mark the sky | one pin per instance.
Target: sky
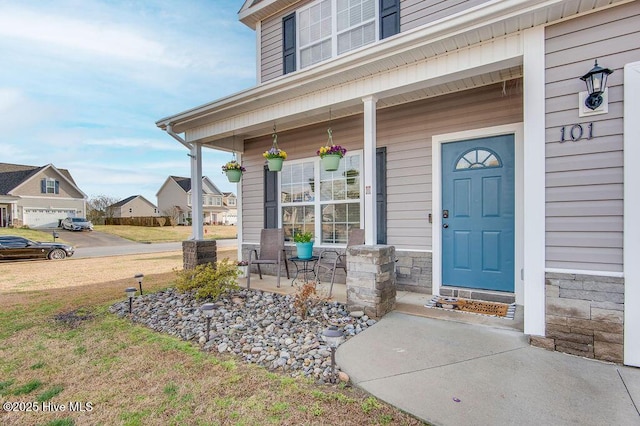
(82, 83)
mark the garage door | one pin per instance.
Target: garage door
(45, 218)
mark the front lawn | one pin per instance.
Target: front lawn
(145, 234)
(31, 234)
(60, 346)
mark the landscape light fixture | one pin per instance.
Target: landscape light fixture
(333, 337)
(131, 292)
(596, 81)
(139, 278)
(208, 309)
(55, 235)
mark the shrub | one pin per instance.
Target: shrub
(305, 298)
(207, 281)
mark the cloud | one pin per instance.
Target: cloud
(73, 36)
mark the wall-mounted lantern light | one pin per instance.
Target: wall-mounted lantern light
(131, 292)
(596, 81)
(139, 278)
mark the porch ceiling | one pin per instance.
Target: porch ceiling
(244, 115)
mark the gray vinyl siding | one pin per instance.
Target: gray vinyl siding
(298, 143)
(416, 13)
(413, 13)
(271, 44)
(584, 179)
(406, 131)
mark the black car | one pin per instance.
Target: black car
(12, 247)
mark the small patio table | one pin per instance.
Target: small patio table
(305, 266)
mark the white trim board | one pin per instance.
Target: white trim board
(436, 176)
(631, 237)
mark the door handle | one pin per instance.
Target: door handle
(445, 225)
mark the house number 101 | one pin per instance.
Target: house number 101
(575, 132)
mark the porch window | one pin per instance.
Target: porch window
(332, 27)
(325, 203)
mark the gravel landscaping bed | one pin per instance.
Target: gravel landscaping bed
(259, 327)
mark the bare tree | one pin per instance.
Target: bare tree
(173, 214)
(99, 208)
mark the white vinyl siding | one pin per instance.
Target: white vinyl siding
(584, 179)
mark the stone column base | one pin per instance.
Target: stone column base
(371, 279)
(198, 252)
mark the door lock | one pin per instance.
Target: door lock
(445, 214)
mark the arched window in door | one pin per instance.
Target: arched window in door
(477, 158)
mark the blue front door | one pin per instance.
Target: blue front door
(478, 213)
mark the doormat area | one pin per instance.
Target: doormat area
(479, 307)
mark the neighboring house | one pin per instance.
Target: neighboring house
(38, 197)
(134, 206)
(472, 149)
(230, 217)
(174, 199)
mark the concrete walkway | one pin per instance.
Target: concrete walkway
(453, 368)
(452, 373)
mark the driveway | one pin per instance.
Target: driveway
(81, 239)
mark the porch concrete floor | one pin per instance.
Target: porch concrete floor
(406, 302)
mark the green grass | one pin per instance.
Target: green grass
(31, 234)
(49, 393)
(28, 387)
(146, 234)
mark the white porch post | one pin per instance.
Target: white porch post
(239, 211)
(534, 182)
(370, 219)
(197, 231)
(631, 241)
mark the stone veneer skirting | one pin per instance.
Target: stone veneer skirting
(414, 271)
(584, 316)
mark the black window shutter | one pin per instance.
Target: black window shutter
(270, 199)
(43, 186)
(381, 194)
(57, 187)
(289, 43)
(389, 18)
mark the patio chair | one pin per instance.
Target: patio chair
(271, 252)
(332, 260)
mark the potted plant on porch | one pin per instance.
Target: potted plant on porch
(304, 244)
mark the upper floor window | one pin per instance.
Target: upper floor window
(327, 28)
(49, 186)
(331, 27)
(232, 201)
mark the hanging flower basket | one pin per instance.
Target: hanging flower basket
(275, 164)
(331, 155)
(275, 156)
(331, 163)
(233, 170)
(234, 176)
